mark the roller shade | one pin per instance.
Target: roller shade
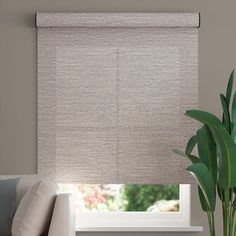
(112, 91)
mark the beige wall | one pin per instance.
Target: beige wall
(18, 70)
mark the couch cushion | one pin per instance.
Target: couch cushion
(34, 211)
(8, 189)
(25, 183)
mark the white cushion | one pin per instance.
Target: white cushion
(33, 214)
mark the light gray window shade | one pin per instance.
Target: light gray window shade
(112, 92)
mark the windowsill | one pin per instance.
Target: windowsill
(141, 229)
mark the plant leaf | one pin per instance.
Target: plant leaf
(228, 95)
(225, 146)
(233, 110)
(226, 115)
(227, 158)
(203, 200)
(220, 193)
(234, 203)
(192, 158)
(204, 117)
(190, 145)
(207, 151)
(233, 117)
(205, 182)
(233, 134)
(179, 152)
(229, 88)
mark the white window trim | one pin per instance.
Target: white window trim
(141, 221)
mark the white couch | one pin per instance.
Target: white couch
(63, 219)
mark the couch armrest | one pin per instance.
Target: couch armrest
(63, 217)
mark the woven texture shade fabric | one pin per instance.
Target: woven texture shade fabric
(112, 92)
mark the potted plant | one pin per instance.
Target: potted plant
(214, 168)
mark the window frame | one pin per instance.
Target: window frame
(116, 221)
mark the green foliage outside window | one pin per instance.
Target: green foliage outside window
(139, 197)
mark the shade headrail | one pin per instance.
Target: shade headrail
(161, 20)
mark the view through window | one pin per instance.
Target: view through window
(124, 197)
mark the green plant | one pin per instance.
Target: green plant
(139, 197)
(215, 166)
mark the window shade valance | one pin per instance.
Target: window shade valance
(112, 91)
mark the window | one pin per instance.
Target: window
(129, 205)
